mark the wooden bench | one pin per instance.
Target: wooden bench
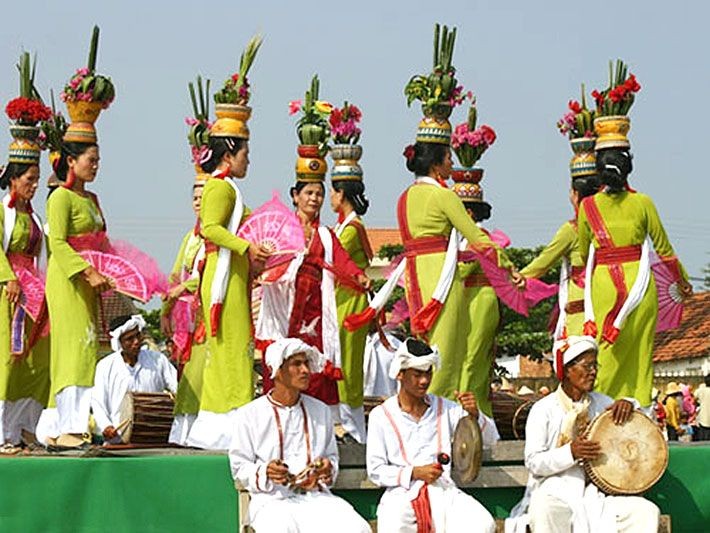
(501, 467)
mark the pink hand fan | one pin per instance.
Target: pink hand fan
(32, 291)
(275, 227)
(536, 291)
(124, 275)
(670, 300)
(499, 278)
(500, 238)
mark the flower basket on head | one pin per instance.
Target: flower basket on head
(612, 124)
(578, 125)
(233, 98)
(438, 92)
(199, 134)
(345, 151)
(313, 128)
(26, 111)
(470, 143)
(87, 93)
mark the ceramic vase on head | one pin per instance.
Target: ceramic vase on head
(466, 174)
(583, 162)
(310, 166)
(84, 111)
(234, 111)
(19, 131)
(345, 162)
(612, 132)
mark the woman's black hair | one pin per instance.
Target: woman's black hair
(12, 171)
(354, 191)
(481, 210)
(69, 149)
(614, 166)
(298, 187)
(586, 185)
(426, 155)
(220, 146)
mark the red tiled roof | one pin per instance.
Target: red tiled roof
(380, 236)
(692, 338)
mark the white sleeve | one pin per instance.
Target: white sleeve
(331, 448)
(169, 375)
(379, 470)
(242, 458)
(540, 460)
(99, 395)
(489, 431)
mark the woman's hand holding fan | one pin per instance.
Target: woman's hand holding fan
(274, 230)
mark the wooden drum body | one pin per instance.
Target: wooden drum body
(150, 417)
(510, 413)
(633, 455)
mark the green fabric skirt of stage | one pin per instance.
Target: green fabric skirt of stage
(188, 493)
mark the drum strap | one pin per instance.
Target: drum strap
(576, 416)
(306, 431)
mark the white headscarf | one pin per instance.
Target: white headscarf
(567, 350)
(281, 350)
(136, 321)
(404, 359)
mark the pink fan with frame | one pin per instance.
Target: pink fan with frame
(275, 227)
(124, 275)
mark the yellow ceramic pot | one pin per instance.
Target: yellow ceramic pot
(84, 111)
(311, 168)
(234, 111)
(612, 132)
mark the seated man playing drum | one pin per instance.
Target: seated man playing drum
(284, 453)
(558, 497)
(409, 446)
(130, 368)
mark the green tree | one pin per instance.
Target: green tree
(527, 335)
(152, 324)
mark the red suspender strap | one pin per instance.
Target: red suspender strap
(616, 271)
(364, 240)
(414, 294)
(279, 427)
(439, 411)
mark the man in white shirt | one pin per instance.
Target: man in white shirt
(284, 452)
(130, 368)
(406, 436)
(558, 498)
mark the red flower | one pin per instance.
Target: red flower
(409, 152)
(336, 117)
(631, 84)
(235, 77)
(354, 112)
(489, 136)
(598, 97)
(574, 106)
(27, 110)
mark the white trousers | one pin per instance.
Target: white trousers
(632, 514)
(212, 431)
(16, 416)
(180, 430)
(452, 510)
(70, 416)
(353, 421)
(314, 512)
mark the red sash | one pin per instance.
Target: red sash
(612, 256)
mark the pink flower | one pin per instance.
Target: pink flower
(294, 106)
(84, 71)
(190, 121)
(74, 83)
(63, 96)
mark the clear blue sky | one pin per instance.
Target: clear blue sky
(522, 59)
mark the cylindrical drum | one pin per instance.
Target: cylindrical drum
(510, 412)
(150, 417)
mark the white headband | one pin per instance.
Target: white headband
(404, 359)
(567, 350)
(281, 350)
(136, 321)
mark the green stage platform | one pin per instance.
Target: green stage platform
(194, 493)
